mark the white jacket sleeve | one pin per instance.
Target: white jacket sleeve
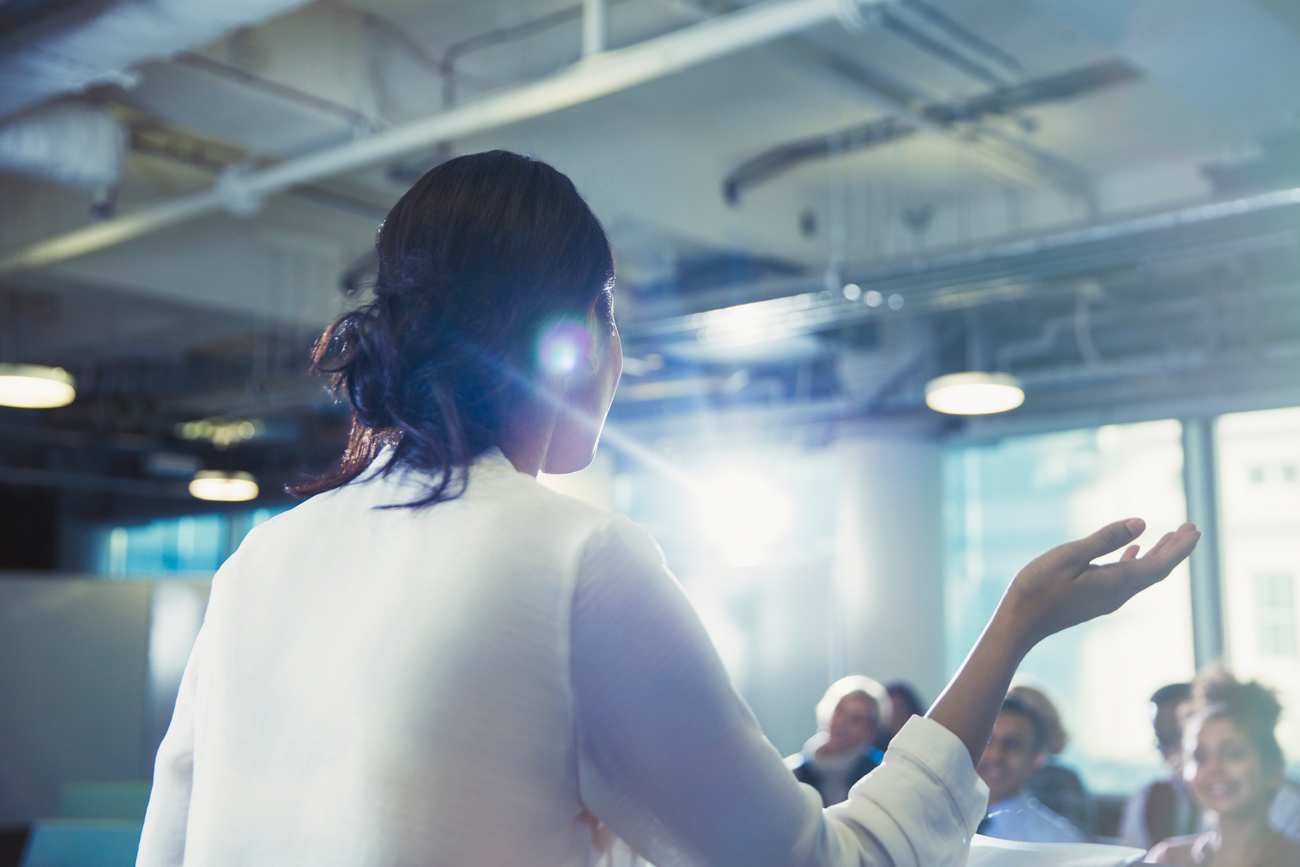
(162, 843)
(673, 761)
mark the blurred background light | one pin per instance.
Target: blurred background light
(224, 486)
(974, 392)
(35, 386)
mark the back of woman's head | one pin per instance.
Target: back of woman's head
(1253, 707)
(474, 261)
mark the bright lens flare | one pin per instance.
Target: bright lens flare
(974, 393)
(562, 346)
(745, 514)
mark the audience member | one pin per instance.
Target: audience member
(841, 753)
(904, 704)
(1055, 786)
(1234, 768)
(1164, 808)
(1015, 751)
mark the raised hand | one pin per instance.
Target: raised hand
(1063, 587)
(1057, 590)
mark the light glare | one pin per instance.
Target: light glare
(745, 514)
(562, 345)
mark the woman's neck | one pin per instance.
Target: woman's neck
(1239, 839)
(526, 440)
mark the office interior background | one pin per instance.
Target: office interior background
(818, 207)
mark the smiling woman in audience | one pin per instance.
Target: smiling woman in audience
(436, 661)
(1234, 767)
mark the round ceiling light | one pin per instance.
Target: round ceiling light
(35, 386)
(974, 392)
(223, 486)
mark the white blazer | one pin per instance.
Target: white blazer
(509, 679)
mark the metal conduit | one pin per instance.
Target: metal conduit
(1002, 272)
(596, 76)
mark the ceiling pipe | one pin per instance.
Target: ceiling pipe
(600, 75)
(594, 27)
(998, 273)
(943, 116)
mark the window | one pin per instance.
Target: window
(1260, 548)
(1005, 504)
(196, 545)
(1275, 614)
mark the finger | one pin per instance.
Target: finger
(1171, 543)
(1138, 574)
(1180, 544)
(1107, 539)
(1130, 553)
(1160, 545)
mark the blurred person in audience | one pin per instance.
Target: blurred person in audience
(1234, 767)
(1055, 786)
(841, 753)
(904, 703)
(436, 660)
(1164, 808)
(1015, 751)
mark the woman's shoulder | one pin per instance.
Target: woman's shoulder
(1175, 850)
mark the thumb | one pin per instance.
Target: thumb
(1109, 538)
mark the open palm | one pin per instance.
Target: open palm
(1063, 587)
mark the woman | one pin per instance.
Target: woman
(436, 661)
(848, 717)
(1233, 765)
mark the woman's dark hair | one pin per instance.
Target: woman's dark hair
(1252, 706)
(474, 260)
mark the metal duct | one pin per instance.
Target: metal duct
(75, 145)
(998, 273)
(589, 79)
(70, 53)
(1001, 101)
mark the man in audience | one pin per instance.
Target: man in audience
(1056, 786)
(1015, 751)
(1164, 808)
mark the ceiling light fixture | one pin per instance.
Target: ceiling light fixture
(974, 392)
(35, 386)
(224, 486)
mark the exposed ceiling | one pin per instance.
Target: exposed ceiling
(1076, 191)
